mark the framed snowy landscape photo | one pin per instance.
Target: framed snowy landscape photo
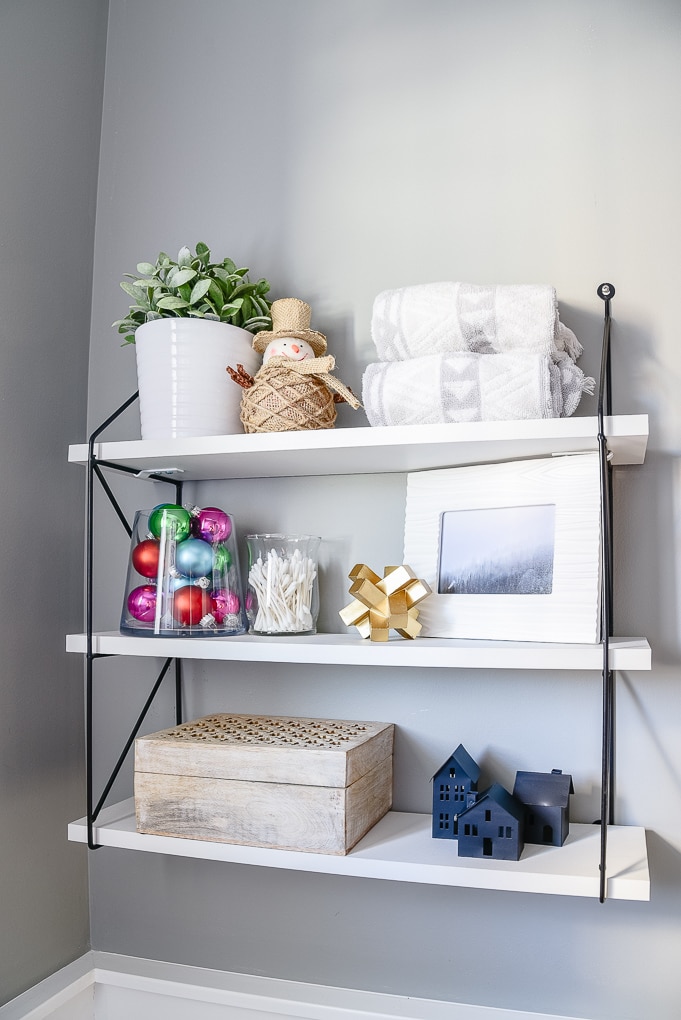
(511, 551)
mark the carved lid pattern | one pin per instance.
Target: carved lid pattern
(272, 730)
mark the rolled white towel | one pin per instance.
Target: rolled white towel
(465, 386)
(440, 318)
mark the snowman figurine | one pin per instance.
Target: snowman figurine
(294, 389)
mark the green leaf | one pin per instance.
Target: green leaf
(184, 257)
(147, 281)
(215, 294)
(229, 266)
(257, 323)
(171, 303)
(199, 291)
(146, 268)
(243, 288)
(260, 304)
(223, 276)
(136, 292)
(176, 277)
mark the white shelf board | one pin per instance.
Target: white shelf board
(400, 849)
(348, 650)
(367, 450)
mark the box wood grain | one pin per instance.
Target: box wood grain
(315, 785)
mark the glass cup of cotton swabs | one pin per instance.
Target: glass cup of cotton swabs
(283, 588)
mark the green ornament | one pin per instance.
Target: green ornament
(176, 519)
(223, 558)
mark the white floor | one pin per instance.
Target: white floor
(104, 986)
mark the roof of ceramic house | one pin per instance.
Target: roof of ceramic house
(500, 796)
(463, 760)
(548, 789)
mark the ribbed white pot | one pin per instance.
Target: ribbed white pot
(184, 387)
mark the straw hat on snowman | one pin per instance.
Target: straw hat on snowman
(294, 390)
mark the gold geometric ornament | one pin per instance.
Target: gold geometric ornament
(383, 604)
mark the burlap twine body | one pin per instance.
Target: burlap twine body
(290, 396)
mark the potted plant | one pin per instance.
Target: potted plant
(190, 318)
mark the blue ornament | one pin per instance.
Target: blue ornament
(194, 557)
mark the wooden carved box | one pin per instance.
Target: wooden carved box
(315, 785)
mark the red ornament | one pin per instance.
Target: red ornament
(190, 604)
(145, 557)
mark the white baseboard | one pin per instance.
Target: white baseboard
(106, 986)
(69, 994)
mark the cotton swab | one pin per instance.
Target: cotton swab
(284, 589)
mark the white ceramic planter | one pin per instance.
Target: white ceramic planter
(184, 387)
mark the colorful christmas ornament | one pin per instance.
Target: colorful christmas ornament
(211, 524)
(191, 604)
(176, 581)
(194, 558)
(223, 559)
(384, 603)
(145, 557)
(224, 603)
(142, 603)
(174, 516)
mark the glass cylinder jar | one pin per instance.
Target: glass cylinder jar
(183, 575)
(283, 590)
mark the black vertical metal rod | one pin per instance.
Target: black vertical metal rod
(606, 291)
(178, 692)
(89, 558)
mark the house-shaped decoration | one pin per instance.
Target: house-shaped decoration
(546, 799)
(493, 826)
(455, 787)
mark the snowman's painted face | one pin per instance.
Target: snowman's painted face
(288, 347)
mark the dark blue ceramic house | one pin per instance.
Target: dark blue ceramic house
(493, 827)
(546, 799)
(455, 787)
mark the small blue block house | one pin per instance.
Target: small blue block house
(455, 787)
(493, 826)
(546, 799)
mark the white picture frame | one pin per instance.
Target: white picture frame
(472, 533)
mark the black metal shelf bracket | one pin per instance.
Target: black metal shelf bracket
(606, 292)
(95, 472)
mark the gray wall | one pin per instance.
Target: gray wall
(51, 79)
(339, 149)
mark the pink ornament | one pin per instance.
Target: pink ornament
(224, 603)
(142, 603)
(211, 524)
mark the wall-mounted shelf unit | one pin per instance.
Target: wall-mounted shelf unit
(400, 846)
